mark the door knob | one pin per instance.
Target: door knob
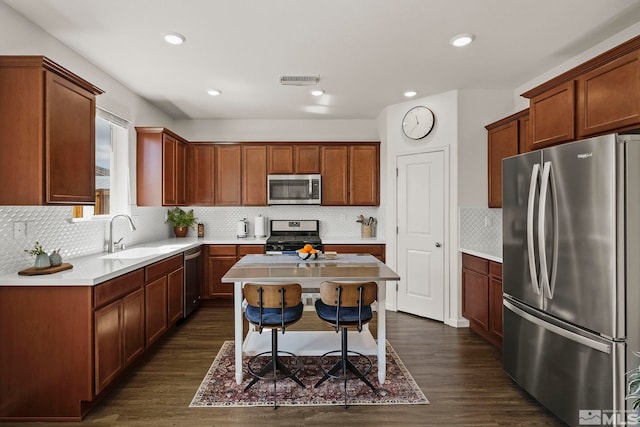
(438, 244)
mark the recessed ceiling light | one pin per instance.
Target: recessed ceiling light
(410, 93)
(317, 92)
(462, 40)
(214, 92)
(174, 38)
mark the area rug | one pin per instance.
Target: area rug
(219, 388)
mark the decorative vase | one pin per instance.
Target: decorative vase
(180, 231)
(42, 261)
(55, 258)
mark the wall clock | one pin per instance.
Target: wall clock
(418, 122)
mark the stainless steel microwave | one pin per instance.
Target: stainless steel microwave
(294, 189)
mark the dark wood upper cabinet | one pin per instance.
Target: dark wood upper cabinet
(200, 174)
(228, 175)
(280, 159)
(160, 167)
(335, 175)
(552, 116)
(503, 140)
(364, 175)
(306, 158)
(254, 175)
(609, 96)
(296, 159)
(47, 123)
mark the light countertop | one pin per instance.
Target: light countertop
(93, 269)
(490, 253)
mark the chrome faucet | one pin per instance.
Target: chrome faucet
(112, 244)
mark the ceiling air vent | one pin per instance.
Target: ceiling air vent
(299, 80)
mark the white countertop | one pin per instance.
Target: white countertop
(93, 269)
(490, 253)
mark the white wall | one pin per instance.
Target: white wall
(277, 130)
(521, 103)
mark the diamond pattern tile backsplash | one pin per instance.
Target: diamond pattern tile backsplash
(481, 229)
(51, 226)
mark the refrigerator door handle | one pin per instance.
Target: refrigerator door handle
(604, 348)
(548, 277)
(533, 183)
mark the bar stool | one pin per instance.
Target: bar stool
(345, 305)
(273, 306)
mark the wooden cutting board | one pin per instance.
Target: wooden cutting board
(48, 270)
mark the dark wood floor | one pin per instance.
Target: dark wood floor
(458, 371)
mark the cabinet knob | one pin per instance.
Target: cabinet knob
(438, 244)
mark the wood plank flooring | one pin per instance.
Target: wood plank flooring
(459, 372)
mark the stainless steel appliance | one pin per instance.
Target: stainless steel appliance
(192, 280)
(290, 235)
(294, 189)
(571, 274)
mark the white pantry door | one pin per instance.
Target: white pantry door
(420, 190)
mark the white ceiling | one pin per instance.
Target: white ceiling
(366, 52)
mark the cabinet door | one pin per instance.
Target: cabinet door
(108, 344)
(364, 175)
(169, 189)
(69, 142)
(254, 175)
(175, 292)
(495, 307)
(228, 175)
(524, 134)
(502, 142)
(552, 116)
(609, 96)
(280, 159)
(201, 171)
(217, 267)
(133, 326)
(156, 309)
(306, 158)
(475, 297)
(180, 171)
(334, 175)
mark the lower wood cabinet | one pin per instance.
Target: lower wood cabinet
(155, 300)
(482, 297)
(377, 251)
(220, 258)
(175, 296)
(162, 304)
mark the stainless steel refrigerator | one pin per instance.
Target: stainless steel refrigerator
(571, 274)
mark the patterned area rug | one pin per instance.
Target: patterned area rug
(219, 389)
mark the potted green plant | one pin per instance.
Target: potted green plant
(42, 259)
(180, 220)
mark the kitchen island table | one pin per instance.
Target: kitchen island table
(310, 273)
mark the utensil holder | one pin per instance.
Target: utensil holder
(366, 231)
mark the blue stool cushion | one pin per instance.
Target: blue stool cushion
(347, 314)
(273, 316)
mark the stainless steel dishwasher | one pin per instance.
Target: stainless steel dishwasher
(192, 280)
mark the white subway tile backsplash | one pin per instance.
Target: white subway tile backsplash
(481, 229)
(51, 226)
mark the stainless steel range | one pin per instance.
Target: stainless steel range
(290, 235)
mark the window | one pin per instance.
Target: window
(112, 168)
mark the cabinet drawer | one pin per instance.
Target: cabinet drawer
(495, 269)
(250, 249)
(374, 250)
(115, 288)
(222, 250)
(163, 267)
(475, 263)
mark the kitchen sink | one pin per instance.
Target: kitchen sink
(133, 253)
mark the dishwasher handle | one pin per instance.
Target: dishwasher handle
(192, 256)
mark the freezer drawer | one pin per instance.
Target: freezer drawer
(565, 369)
